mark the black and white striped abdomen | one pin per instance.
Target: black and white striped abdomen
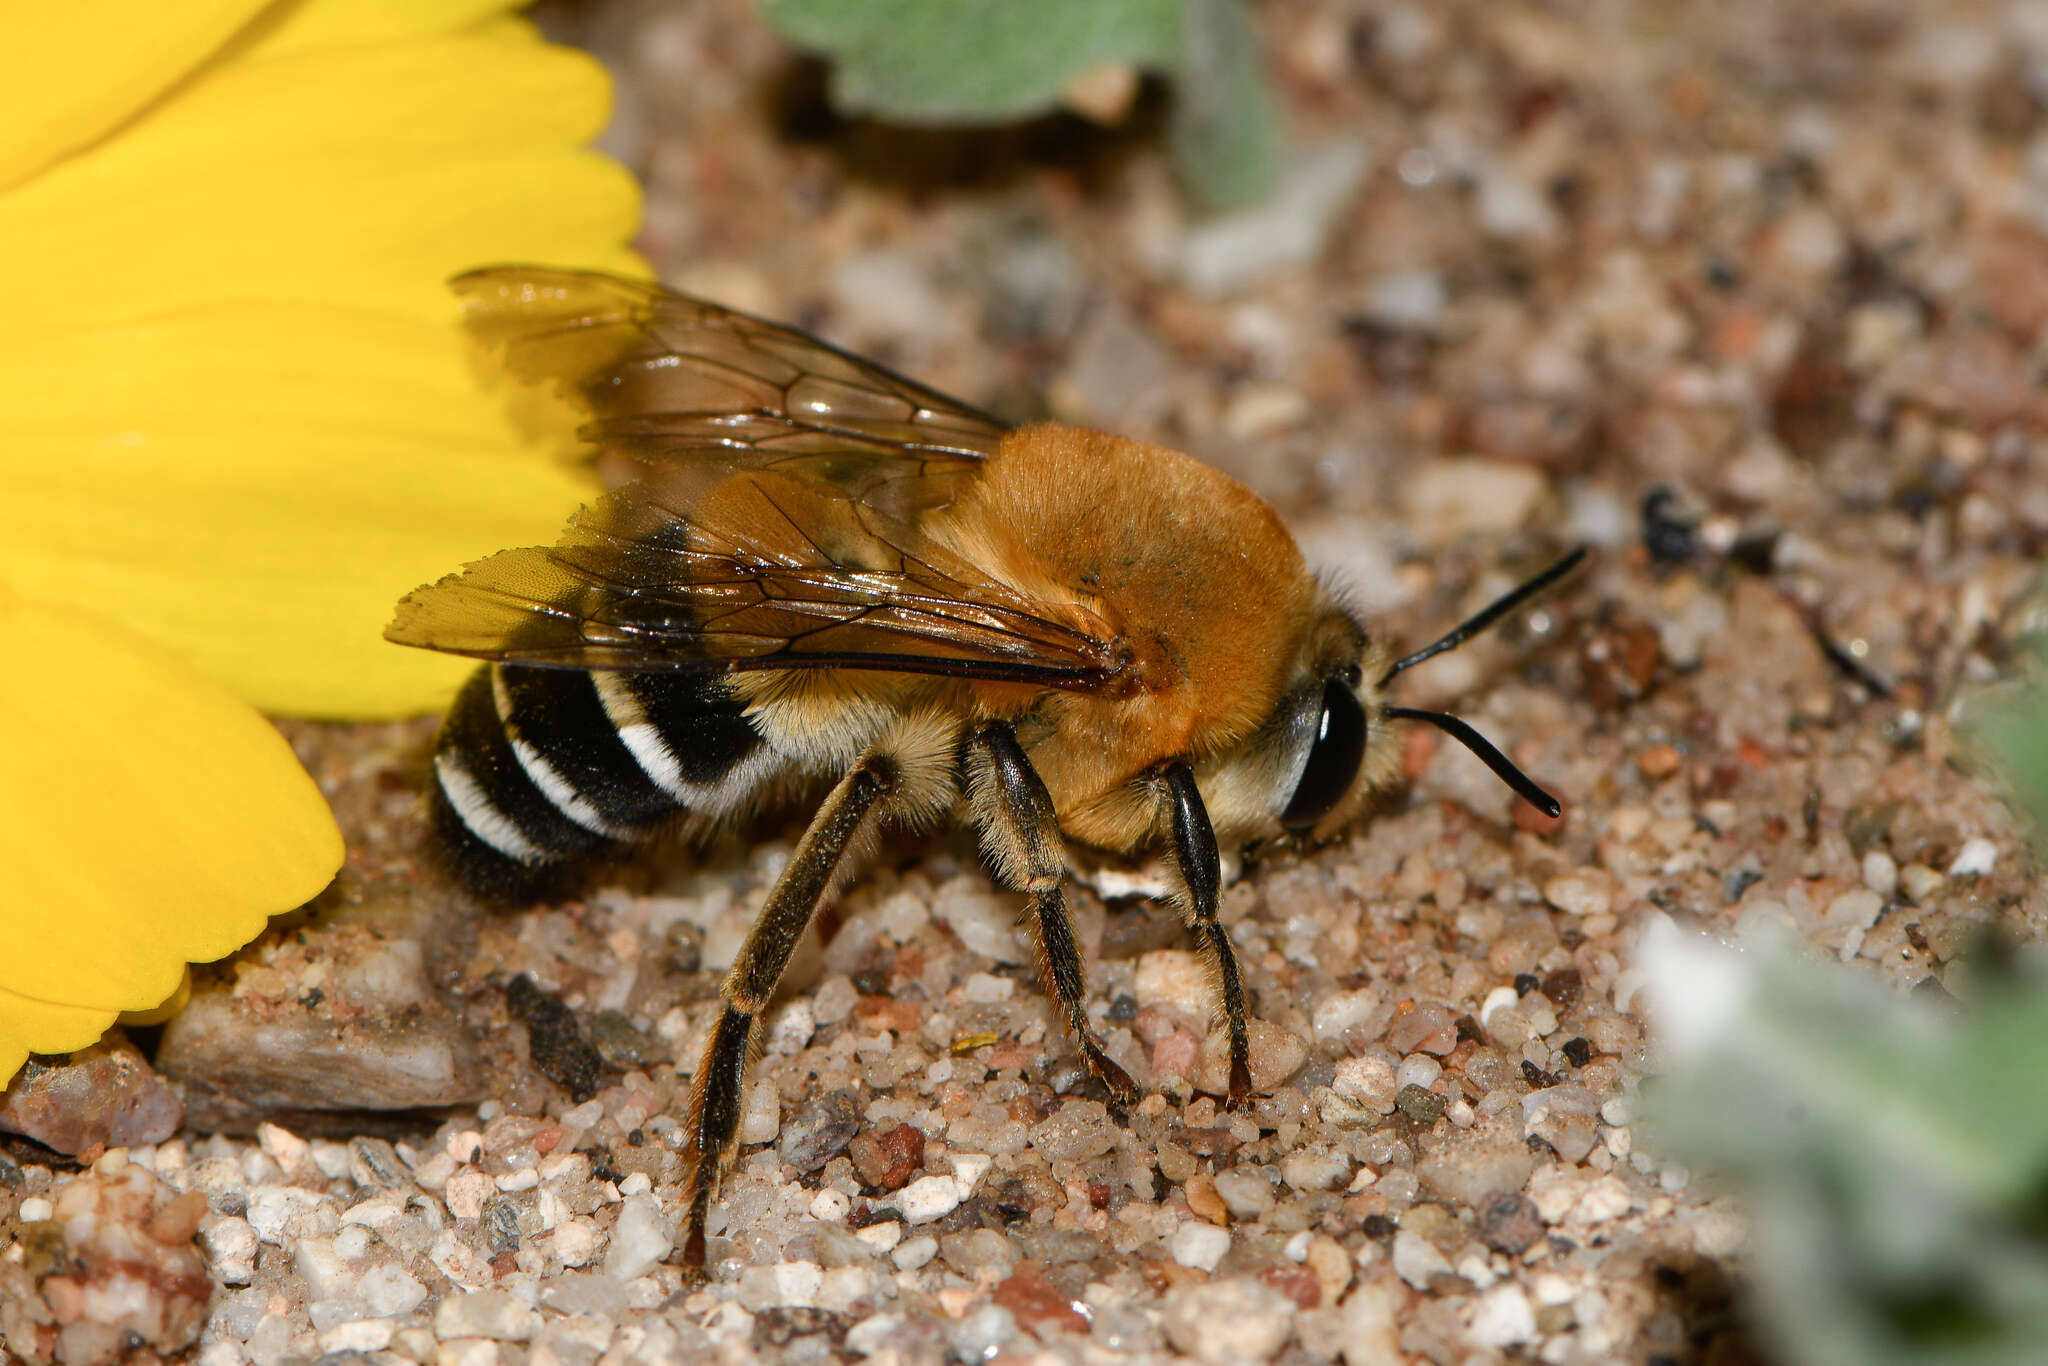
(539, 770)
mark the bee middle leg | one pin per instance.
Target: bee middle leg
(718, 1090)
(1195, 858)
(1020, 834)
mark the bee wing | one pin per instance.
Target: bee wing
(665, 378)
(767, 571)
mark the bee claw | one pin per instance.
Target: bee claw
(1240, 1097)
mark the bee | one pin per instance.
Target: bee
(819, 576)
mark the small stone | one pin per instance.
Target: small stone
(496, 1314)
(1976, 859)
(929, 1198)
(1416, 1259)
(1078, 1130)
(1430, 1027)
(1418, 1070)
(1451, 497)
(1563, 987)
(913, 1253)
(1273, 1054)
(1578, 894)
(1176, 979)
(357, 1335)
(640, 1239)
(790, 1028)
(387, 1291)
(984, 920)
(1350, 1016)
(1370, 1081)
(621, 1044)
(1037, 1304)
(1472, 1166)
(1503, 1317)
(983, 1334)
(1199, 1245)
(1228, 1322)
(888, 1160)
(1509, 1224)
(1315, 1169)
(761, 1114)
(1372, 1315)
(554, 1040)
(104, 1096)
(819, 1130)
(1424, 1107)
(1658, 761)
(230, 1247)
(1919, 882)
(1880, 873)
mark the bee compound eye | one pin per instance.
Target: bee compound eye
(1333, 760)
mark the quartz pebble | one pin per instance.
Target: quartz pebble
(1199, 1245)
(640, 1239)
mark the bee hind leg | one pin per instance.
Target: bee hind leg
(1199, 867)
(717, 1091)
(1020, 835)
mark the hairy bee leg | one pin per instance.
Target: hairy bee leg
(1201, 874)
(1020, 833)
(718, 1089)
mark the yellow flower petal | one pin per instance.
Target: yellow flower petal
(364, 174)
(264, 528)
(147, 819)
(235, 410)
(308, 24)
(136, 51)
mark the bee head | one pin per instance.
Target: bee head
(1327, 747)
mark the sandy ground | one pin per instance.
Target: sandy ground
(1749, 298)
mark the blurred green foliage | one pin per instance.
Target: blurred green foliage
(995, 61)
(1891, 1152)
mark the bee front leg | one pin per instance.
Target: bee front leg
(1020, 834)
(718, 1089)
(1193, 843)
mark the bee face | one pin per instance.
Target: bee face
(1322, 753)
(823, 577)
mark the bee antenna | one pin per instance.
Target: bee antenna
(1502, 766)
(1479, 621)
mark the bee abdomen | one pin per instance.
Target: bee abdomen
(540, 770)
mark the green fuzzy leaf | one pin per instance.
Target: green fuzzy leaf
(977, 62)
(972, 61)
(1892, 1153)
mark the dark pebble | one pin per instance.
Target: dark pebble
(685, 946)
(1563, 987)
(1526, 982)
(1669, 531)
(553, 1039)
(780, 1325)
(499, 1222)
(887, 1161)
(1578, 1052)
(1509, 1224)
(1738, 880)
(1123, 1008)
(819, 1131)
(1378, 1226)
(616, 1040)
(1424, 1107)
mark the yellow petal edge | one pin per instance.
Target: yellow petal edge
(148, 818)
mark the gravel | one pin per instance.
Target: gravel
(1754, 307)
